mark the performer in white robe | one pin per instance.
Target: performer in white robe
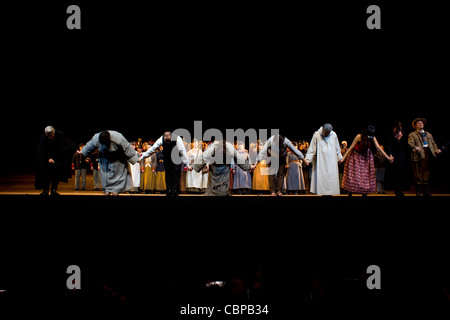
(194, 179)
(114, 152)
(324, 152)
(134, 176)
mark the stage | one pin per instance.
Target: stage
(309, 253)
(143, 70)
(23, 184)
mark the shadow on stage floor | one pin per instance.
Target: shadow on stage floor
(293, 253)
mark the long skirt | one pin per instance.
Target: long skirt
(230, 184)
(160, 181)
(294, 177)
(113, 175)
(261, 177)
(205, 181)
(242, 179)
(219, 180)
(134, 177)
(359, 173)
(194, 179)
(183, 181)
(149, 179)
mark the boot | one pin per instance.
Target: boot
(54, 193)
(426, 190)
(418, 190)
(44, 193)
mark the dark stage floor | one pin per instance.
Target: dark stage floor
(295, 254)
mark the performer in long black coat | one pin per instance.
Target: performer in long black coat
(397, 177)
(54, 155)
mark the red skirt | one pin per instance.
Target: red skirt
(359, 173)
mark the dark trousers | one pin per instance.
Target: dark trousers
(80, 173)
(276, 180)
(421, 170)
(52, 176)
(173, 175)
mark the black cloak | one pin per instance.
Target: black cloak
(60, 149)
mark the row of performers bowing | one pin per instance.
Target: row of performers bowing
(149, 175)
(115, 152)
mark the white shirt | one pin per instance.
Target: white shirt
(159, 142)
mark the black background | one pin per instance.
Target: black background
(140, 69)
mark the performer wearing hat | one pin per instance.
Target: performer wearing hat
(359, 170)
(422, 147)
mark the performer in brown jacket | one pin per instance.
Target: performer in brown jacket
(422, 148)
